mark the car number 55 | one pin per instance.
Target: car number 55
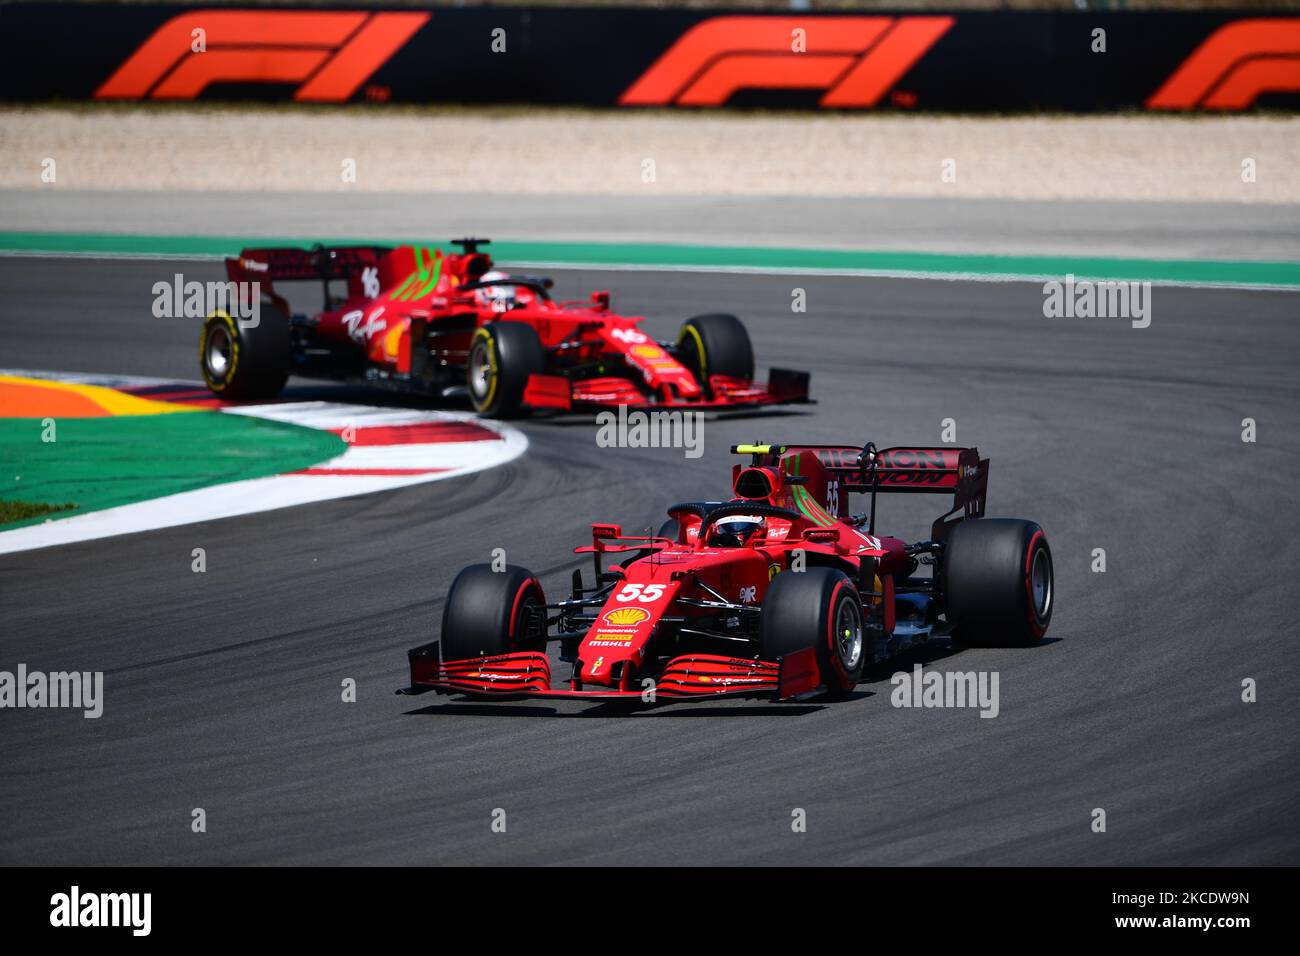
(645, 593)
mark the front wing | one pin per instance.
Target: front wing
(527, 674)
(784, 387)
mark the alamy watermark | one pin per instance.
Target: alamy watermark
(179, 299)
(75, 690)
(77, 909)
(1087, 299)
(658, 429)
(922, 688)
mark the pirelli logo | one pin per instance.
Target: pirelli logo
(856, 60)
(329, 54)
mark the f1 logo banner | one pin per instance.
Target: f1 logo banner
(682, 57)
(1237, 64)
(857, 60)
(329, 53)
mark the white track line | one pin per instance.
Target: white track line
(434, 461)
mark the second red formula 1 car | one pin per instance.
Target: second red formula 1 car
(778, 592)
(419, 320)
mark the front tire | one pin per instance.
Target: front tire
(487, 612)
(246, 362)
(501, 357)
(715, 344)
(998, 582)
(817, 608)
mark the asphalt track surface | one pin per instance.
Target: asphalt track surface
(223, 689)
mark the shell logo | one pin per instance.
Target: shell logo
(627, 616)
(647, 351)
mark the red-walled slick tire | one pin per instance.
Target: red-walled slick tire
(487, 612)
(998, 582)
(817, 608)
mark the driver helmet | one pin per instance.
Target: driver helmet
(501, 298)
(735, 531)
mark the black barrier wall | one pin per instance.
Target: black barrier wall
(636, 58)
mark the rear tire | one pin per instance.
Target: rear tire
(817, 608)
(715, 344)
(485, 613)
(501, 357)
(240, 362)
(998, 582)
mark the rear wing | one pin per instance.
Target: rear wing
(865, 469)
(294, 264)
(916, 470)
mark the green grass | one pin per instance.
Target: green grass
(11, 511)
(105, 462)
(727, 258)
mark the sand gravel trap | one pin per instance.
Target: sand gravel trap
(1126, 157)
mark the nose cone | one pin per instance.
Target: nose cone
(618, 636)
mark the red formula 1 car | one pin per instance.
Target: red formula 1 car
(778, 592)
(419, 320)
